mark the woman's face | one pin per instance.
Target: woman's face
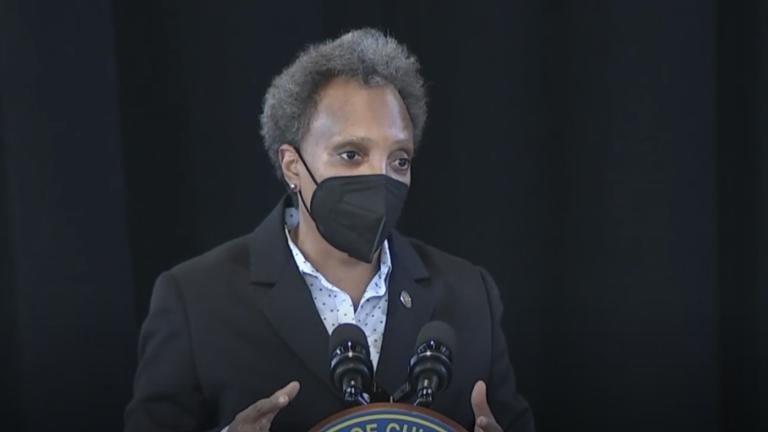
(355, 130)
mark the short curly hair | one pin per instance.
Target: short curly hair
(366, 55)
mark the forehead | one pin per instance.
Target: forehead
(347, 107)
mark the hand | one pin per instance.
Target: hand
(484, 420)
(258, 417)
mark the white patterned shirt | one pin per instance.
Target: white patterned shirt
(335, 306)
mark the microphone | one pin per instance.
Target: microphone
(351, 367)
(430, 366)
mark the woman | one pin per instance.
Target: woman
(237, 338)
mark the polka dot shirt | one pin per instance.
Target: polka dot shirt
(335, 306)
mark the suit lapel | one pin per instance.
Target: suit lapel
(403, 324)
(287, 302)
(292, 312)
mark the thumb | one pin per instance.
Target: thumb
(287, 393)
(279, 400)
(480, 402)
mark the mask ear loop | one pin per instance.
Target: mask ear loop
(301, 195)
(306, 166)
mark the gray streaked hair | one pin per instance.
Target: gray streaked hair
(366, 55)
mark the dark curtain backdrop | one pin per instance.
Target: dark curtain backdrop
(606, 161)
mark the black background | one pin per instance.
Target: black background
(606, 161)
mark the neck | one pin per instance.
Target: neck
(350, 275)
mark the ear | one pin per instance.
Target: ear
(289, 163)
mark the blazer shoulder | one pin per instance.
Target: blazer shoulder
(231, 257)
(441, 262)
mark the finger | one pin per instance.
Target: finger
(479, 401)
(287, 393)
(272, 404)
(484, 419)
(284, 396)
(485, 424)
(479, 424)
(265, 422)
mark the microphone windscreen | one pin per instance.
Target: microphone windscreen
(347, 332)
(439, 331)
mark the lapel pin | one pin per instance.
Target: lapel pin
(405, 299)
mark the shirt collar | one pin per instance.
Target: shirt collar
(306, 267)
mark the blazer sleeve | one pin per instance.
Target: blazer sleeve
(507, 405)
(167, 393)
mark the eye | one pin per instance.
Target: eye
(402, 163)
(350, 155)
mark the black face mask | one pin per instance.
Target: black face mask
(355, 214)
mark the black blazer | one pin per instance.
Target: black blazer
(230, 327)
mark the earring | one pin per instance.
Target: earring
(293, 187)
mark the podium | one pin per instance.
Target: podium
(388, 417)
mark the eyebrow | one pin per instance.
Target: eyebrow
(362, 141)
(352, 140)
